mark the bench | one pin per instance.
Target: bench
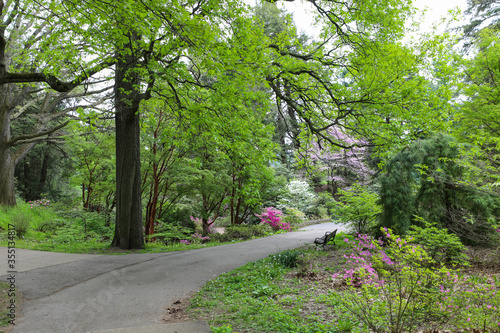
(323, 241)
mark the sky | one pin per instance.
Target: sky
(435, 10)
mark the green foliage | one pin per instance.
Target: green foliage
(439, 244)
(27, 217)
(357, 207)
(287, 259)
(398, 290)
(94, 167)
(477, 118)
(293, 216)
(21, 223)
(244, 232)
(172, 233)
(426, 180)
(479, 301)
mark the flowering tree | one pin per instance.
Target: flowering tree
(298, 195)
(339, 168)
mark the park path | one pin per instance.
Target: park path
(114, 291)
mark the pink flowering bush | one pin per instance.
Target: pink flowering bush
(197, 238)
(396, 286)
(207, 226)
(39, 203)
(273, 216)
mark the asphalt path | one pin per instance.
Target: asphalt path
(115, 291)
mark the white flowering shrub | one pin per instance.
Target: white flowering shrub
(298, 195)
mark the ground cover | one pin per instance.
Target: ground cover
(267, 296)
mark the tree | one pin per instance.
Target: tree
(31, 68)
(361, 79)
(483, 14)
(339, 168)
(357, 206)
(425, 180)
(478, 118)
(94, 167)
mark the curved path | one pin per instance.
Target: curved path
(97, 292)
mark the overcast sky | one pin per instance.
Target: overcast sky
(436, 9)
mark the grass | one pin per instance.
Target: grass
(5, 301)
(268, 296)
(258, 297)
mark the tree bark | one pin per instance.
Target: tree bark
(128, 229)
(7, 166)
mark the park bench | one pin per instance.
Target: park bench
(323, 241)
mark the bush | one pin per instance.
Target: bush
(243, 232)
(439, 244)
(21, 223)
(294, 216)
(272, 217)
(393, 289)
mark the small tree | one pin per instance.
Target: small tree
(357, 207)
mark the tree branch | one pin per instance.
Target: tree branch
(53, 81)
(24, 138)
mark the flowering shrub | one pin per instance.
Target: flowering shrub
(396, 286)
(39, 203)
(272, 216)
(197, 238)
(184, 241)
(479, 299)
(395, 289)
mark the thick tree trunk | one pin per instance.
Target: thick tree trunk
(7, 194)
(129, 229)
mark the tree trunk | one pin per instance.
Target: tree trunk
(128, 230)
(44, 170)
(7, 194)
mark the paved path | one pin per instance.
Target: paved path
(83, 293)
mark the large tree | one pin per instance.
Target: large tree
(37, 76)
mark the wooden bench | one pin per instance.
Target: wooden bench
(323, 241)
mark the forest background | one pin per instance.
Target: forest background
(139, 121)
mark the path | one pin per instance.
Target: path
(104, 292)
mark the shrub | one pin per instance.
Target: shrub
(439, 244)
(272, 216)
(243, 232)
(479, 301)
(21, 223)
(393, 289)
(294, 216)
